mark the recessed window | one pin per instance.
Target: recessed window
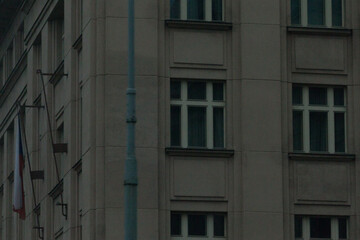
(319, 119)
(317, 13)
(198, 226)
(203, 10)
(197, 114)
(320, 227)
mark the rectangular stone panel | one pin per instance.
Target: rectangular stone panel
(322, 182)
(319, 53)
(198, 47)
(198, 177)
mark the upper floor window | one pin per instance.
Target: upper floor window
(320, 227)
(197, 114)
(319, 119)
(317, 13)
(198, 226)
(203, 10)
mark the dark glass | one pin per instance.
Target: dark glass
(297, 95)
(342, 228)
(338, 96)
(175, 133)
(175, 9)
(218, 120)
(336, 6)
(317, 96)
(339, 132)
(197, 126)
(295, 12)
(297, 130)
(195, 9)
(298, 227)
(320, 227)
(318, 131)
(218, 91)
(219, 225)
(196, 225)
(316, 12)
(175, 224)
(217, 10)
(175, 90)
(196, 90)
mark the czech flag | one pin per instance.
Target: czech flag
(18, 198)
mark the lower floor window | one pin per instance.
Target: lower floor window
(198, 226)
(320, 227)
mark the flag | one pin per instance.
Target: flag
(18, 198)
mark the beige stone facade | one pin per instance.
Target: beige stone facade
(275, 84)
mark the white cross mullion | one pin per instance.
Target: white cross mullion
(306, 121)
(331, 121)
(303, 12)
(306, 228)
(334, 229)
(183, 9)
(208, 10)
(328, 13)
(210, 226)
(209, 117)
(184, 115)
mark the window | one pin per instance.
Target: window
(319, 119)
(207, 10)
(314, 227)
(198, 226)
(317, 13)
(197, 114)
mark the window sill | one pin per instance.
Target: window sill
(320, 31)
(322, 157)
(208, 25)
(196, 152)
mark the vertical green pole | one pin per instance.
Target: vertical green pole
(130, 183)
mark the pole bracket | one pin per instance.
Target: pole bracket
(41, 231)
(37, 175)
(64, 208)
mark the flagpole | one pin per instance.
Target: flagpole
(130, 180)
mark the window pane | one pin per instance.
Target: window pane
(175, 224)
(318, 131)
(338, 96)
(175, 90)
(297, 130)
(195, 9)
(316, 12)
(218, 91)
(197, 90)
(219, 225)
(298, 227)
(218, 127)
(339, 132)
(318, 96)
(295, 12)
(175, 9)
(196, 225)
(197, 126)
(336, 13)
(217, 10)
(320, 228)
(297, 95)
(175, 134)
(342, 228)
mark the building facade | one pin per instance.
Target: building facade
(246, 118)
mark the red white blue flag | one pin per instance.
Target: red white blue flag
(18, 198)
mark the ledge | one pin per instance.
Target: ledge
(321, 31)
(195, 152)
(223, 26)
(321, 157)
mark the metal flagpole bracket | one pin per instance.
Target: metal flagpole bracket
(60, 147)
(41, 231)
(64, 208)
(51, 74)
(32, 106)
